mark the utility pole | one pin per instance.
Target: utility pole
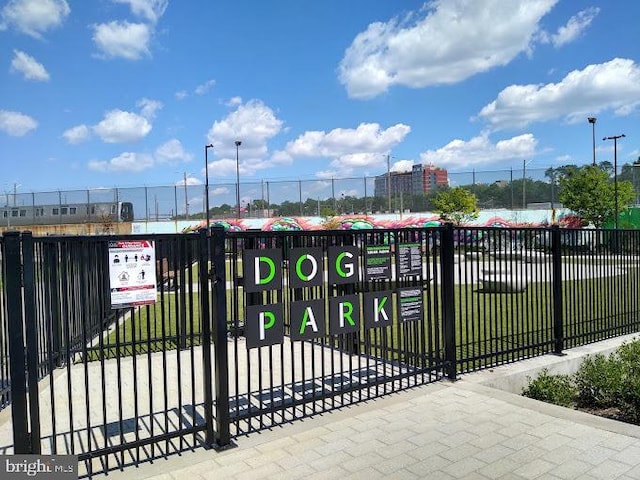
(592, 121)
(186, 198)
(615, 173)
(389, 182)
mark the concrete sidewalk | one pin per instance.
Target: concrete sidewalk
(440, 431)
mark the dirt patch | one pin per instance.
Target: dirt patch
(612, 413)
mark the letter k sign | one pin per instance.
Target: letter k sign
(378, 309)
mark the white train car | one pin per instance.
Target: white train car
(57, 214)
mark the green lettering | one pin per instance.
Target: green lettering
(308, 319)
(314, 269)
(266, 325)
(349, 266)
(272, 270)
(346, 314)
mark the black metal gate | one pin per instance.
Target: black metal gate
(112, 386)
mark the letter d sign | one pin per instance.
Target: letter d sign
(262, 270)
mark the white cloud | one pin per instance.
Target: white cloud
(125, 162)
(34, 17)
(16, 124)
(172, 152)
(254, 124)
(402, 166)
(225, 167)
(205, 87)
(190, 181)
(122, 127)
(201, 89)
(234, 101)
(77, 134)
(219, 191)
(150, 10)
(281, 158)
(444, 43)
(122, 39)
(612, 85)
(367, 138)
(573, 29)
(148, 108)
(29, 67)
(479, 150)
(328, 174)
(349, 148)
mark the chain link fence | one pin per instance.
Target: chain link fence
(511, 189)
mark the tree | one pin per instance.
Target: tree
(590, 192)
(456, 205)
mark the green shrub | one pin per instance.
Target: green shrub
(629, 355)
(628, 400)
(628, 390)
(600, 382)
(556, 389)
(597, 381)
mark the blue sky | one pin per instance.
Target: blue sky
(125, 93)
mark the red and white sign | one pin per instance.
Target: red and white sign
(132, 273)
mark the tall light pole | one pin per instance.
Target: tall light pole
(238, 143)
(592, 121)
(186, 198)
(206, 181)
(615, 173)
(524, 183)
(389, 182)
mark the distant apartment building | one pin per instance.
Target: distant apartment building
(422, 179)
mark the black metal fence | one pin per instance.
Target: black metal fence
(254, 329)
(291, 379)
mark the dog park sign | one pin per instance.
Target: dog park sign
(316, 317)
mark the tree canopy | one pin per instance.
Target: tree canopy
(590, 192)
(456, 205)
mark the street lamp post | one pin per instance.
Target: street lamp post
(206, 181)
(592, 121)
(615, 174)
(238, 143)
(524, 183)
(186, 197)
(389, 182)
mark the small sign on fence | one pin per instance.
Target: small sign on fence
(132, 273)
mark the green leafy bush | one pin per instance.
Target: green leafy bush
(556, 389)
(597, 381)
(628, 392)
(628, 400)
(600, 382)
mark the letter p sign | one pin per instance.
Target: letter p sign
(264, 325)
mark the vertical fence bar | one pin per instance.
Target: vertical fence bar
(447, 291)
(556, 258)
(205, 319)
(13, 285)
(221, 378)
(31, 333)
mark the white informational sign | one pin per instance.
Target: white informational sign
(132, 273)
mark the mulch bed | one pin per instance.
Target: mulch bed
(611, 412)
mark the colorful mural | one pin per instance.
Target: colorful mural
(502, 218)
